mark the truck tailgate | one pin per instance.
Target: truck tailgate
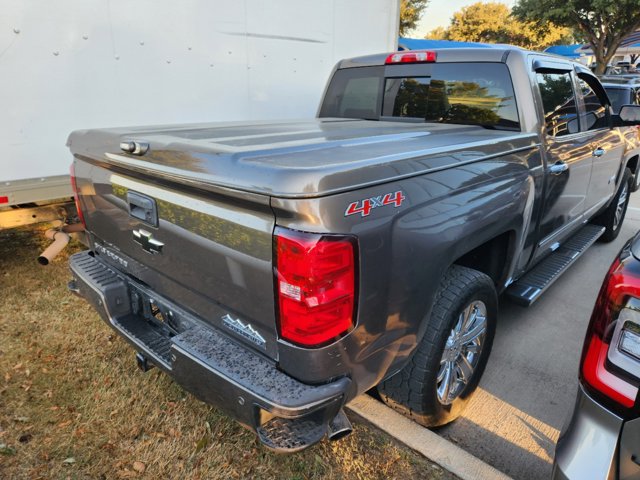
(210, 252)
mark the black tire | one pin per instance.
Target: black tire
(414, 390)
(608, 219)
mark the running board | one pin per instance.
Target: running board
(532, 285)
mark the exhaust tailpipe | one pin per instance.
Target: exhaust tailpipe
(339, 427)
(60, 240)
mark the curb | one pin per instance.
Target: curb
(424, 441)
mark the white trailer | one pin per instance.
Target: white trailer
(70, 64)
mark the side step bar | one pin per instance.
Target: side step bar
(533, 284)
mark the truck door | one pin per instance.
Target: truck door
(606, 144)
(567, 153)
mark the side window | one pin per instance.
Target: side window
(595, 108)
(559, 103)
(360, 98)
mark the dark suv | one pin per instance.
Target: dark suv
(622, 90)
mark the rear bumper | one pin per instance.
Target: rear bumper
(588, 445)
(287, 415)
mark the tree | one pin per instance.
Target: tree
(438, 33)
(410, 13)
(602, 23)
(492, 22)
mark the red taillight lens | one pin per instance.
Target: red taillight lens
(413, 56)
(74, 186)
(316, 286)
(619, 285)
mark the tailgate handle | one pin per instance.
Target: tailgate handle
(134, 148)
(143, 208)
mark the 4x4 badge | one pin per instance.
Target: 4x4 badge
(364, 207)
(149, 244)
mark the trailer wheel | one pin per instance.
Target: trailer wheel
(612, 218)
(436, 384)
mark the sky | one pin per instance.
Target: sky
(439, 12)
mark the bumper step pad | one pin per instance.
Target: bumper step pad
(291, 435)
(109, 290)
(158, 343)
(533, 284)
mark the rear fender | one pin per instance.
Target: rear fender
(404, 251)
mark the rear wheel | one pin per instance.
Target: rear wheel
(613, 217)
(435, 386)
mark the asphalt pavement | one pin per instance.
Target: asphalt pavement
(530, 383)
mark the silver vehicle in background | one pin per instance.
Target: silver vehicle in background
(625, 90)
(601, 439)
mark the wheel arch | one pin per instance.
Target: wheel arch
(492, 257)
(632, 164)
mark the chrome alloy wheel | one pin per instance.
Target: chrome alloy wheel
(462, 352)
(622, 200)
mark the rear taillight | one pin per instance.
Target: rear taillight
(608, 365)
(76, 197)
(315, 279)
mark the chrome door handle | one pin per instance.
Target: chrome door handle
(558, 167)
(598, 152)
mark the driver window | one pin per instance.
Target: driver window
(595, 116)
(559, 104)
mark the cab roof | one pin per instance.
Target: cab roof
(486, 53)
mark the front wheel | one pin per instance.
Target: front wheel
(437, 383)
(611, 219)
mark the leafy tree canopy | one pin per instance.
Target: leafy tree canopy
(602, 23)
(438, 33)
(492, 22)
(410, 13)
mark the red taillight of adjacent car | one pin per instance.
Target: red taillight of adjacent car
(76, 197)
(621, 284)
(315, 279)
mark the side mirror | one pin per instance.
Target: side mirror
(573, 126)
(629, 115)
(591, 119)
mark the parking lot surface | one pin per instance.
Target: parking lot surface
(529, 386)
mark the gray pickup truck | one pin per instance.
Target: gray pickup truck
(279, 269)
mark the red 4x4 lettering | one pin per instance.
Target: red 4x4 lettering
(396, 198)
(364, 210)
(364, 207)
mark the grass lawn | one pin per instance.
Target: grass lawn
(74, 405)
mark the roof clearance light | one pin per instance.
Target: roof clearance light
(413, 56)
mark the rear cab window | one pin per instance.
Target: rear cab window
(461, 93)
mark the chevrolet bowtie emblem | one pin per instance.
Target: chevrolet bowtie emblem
(149, 244)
